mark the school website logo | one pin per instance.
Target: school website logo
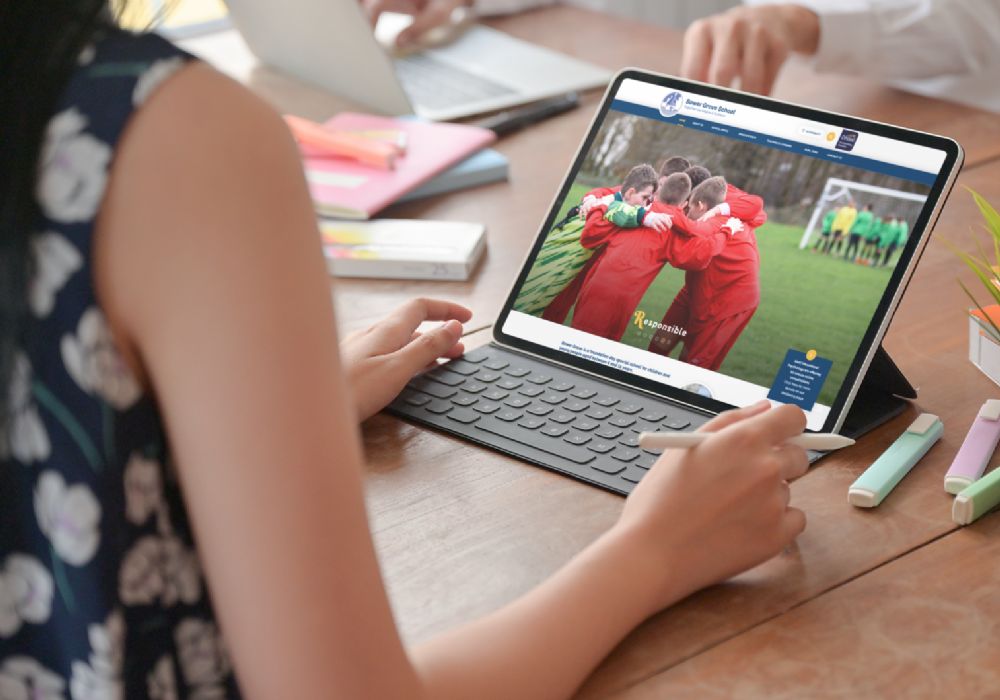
(672, 104)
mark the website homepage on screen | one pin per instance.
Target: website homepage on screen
(722, 249)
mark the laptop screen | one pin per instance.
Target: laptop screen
(729, 251)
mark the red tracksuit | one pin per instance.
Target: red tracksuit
(716, 304)
(631, 260)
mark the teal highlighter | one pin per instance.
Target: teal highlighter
(881, 477)
(977, 499)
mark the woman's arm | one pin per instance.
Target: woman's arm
(210, 268)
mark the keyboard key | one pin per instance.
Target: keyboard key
(575, 406)
(562, 386)
(677, 423)
(632, 440)
(473, 387)
(517, 402)
(634, 474)
(439, 407)
(553, 399)
(563, 417)
(622, 421)
(601, 447)
(464, 400)
(487, 376)
(585, 425)
(553, 447)
(645, 462)
(608, 467)
(417, 399)
(554, 431)
(438, 391)
(461, 415)
(509, 414)
(540, 410)
(623, 455)
(653, 416)
(577, 439)
(584, 393)
(607, 401)
(486, 407)
(539, 378)
(462, 367)
(509, 384)
(598, 413)
(496, 365)
(518, 372)
(655, 453)
(495, 394)
(531, 391)
(446, 378)
(630, 408)
(608, 433)
(532, 423)
(474, 359)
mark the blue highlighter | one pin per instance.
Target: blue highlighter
(896, 462)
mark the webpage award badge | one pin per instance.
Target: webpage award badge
(800, 379)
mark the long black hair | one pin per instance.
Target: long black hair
(40, 41)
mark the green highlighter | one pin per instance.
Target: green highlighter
(881, 477)
(976, 499)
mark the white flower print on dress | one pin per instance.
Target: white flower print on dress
(68, 516)
(101, 678)
(23, 678)
(143, 489)
(56, 259)
(93, 360)
(154, 76)
(73, 169)
(202, 656)
(159, 568)
(161, 683)
(26, 590)
(25, 438)
(87, 55)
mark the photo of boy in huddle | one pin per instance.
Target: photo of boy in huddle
(685, 263)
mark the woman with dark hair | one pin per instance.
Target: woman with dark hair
(181, 509)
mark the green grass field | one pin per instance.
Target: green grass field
(807, 301)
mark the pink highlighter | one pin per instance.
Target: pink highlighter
(976, 451)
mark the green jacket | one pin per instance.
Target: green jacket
(863, 223)
(828, 220)
(625, 215)
(875, 232)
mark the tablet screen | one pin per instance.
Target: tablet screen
(724, 250)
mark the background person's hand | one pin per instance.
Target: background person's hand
(705, 514)
(658, 221)
(380, 360)
(749, 44)
(427, 15)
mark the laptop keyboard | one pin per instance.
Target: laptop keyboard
(435, 84)
(545, 414)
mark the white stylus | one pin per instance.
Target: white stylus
(809, 441)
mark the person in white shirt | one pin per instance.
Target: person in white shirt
(942, 48)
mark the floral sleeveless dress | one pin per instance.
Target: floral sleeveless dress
(101, 592)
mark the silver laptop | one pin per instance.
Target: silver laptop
(330, 43)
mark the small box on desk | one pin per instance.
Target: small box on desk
(984, 347)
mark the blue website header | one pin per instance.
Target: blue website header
(769, 141)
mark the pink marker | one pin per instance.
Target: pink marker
(976, 451)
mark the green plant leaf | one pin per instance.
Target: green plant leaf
(995, 330)
(990, 214)
(977, 267)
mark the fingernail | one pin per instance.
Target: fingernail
(452, 326)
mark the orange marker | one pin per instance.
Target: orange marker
(364, 150)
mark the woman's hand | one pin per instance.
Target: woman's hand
(705, 514)
(380, 361)
(427, 15)
(749, 43)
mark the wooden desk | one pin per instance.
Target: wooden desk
(866, 602)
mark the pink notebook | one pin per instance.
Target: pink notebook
(347, 189)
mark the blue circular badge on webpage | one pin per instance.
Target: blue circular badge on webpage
(671, 104)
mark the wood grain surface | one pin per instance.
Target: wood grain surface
(871, 603)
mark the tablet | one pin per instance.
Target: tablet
(717, 248)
